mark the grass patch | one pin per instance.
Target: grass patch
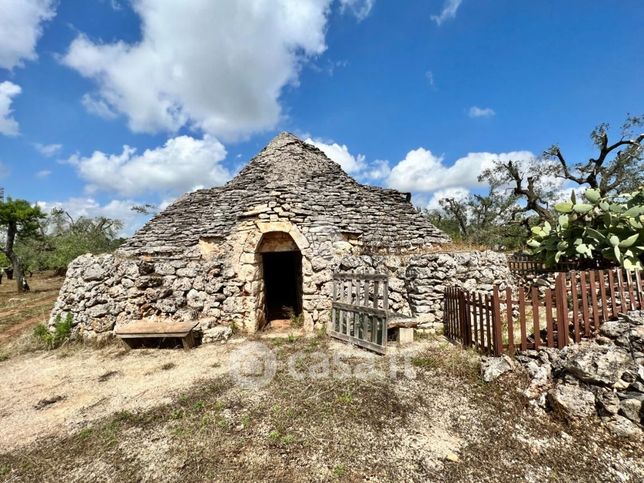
(339, 470)
(296, 320)
(451, 361)
(20, 311)
(52, 339)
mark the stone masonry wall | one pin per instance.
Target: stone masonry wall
(221, 283)
(417, 282)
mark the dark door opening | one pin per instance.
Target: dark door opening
(282, 284)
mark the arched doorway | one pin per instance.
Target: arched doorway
(281, 262)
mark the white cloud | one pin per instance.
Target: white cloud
(360, 8)
(43, 173)
(429, 75)
(340, 154)
(564, 189)
(219, 67)
(450, 7)
(98, 107)
(455, 193)
(476, 111)
(422, 171)
(377, 170)
(48, 150)
(181, 164)
(20, 28)
(8, 125)
(89, 207)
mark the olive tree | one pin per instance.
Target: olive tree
(19, 220)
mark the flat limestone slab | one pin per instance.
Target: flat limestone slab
(403, 322)
(146, 328)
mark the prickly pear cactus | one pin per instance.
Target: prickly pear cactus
(594, 228)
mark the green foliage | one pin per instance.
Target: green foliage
(296, 320)
(597, 227)
(19, 221)
(63, 239)
(480, 220)
(22, 215)
(339, 470)
(61, 333)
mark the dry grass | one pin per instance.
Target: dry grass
(335, 428)
(391, 428)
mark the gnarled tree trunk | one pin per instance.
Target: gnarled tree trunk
(11, 255)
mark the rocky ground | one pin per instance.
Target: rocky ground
(602, 377)
(289, 409)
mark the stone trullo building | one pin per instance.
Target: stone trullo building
(266, 243)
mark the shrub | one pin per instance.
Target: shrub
(61, 333)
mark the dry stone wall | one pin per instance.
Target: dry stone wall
(224, 285)
(417, 282)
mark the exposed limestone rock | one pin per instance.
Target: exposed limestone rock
(632, 409)
(608, 403)
(493, 367)
(572, 401)
(623, 428)
(216, 334)
(590, 378)
(598, 364)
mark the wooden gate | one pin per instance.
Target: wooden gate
(359, 310)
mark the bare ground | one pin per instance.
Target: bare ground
(20, 311)
(329, 412)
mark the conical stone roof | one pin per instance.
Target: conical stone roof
(295, 180)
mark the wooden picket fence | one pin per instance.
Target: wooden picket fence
(505, 321)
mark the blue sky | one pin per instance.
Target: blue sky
(415, 95)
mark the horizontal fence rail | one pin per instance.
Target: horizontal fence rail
(527, 265)
(360, 309)
(529, 318)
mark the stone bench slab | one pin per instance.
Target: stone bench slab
(146, 329)
(402, 322)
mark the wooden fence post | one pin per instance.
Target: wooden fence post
(446, 314)
(496, 322)
(465, 330)
(561, 299)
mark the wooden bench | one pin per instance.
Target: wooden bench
(145, 329)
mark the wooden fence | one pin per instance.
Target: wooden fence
(508, 320)
(360, 309)
(527, 265)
